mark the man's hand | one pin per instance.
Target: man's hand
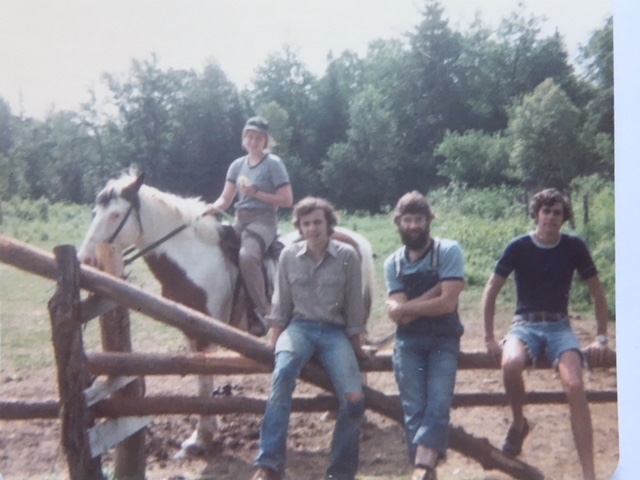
(275, 335)
(493, 348)
(395, 312)
(363, 353)
(211, 210)
(249, 189)
(366, 352)
(596, 353)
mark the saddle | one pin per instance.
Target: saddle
(230, 245)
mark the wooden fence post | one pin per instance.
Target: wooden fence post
(130, 459)
(73, 370)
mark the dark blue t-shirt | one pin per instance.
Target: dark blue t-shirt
(543, 274)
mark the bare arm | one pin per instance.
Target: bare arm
(489, 296)
(283, 198)
(600, 303)
(596, 350)
(361, 353)
(223, 202)
(396, 299)
(439, 300)
(275, 335)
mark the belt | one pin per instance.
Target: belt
(537, 317)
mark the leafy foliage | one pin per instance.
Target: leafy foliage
(544, 134)
(482, 220)
(480, 108)
(474, 158)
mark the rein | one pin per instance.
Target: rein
(135, 205)
(148, 248)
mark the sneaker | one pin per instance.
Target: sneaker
(515, 438)
(264, 473)
(424, 473)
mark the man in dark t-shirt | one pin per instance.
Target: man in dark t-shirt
(544, 263)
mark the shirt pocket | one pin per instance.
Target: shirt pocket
(332, 290)
(300, 288)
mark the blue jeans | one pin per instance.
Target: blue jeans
(298, 343)
(425, 367)
(550, 338)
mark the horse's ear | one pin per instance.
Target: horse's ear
(131, 191)
(139, 181)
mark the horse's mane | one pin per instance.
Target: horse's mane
(187, 210)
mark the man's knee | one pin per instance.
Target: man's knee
(287, 367)
(513, 365)
(570, 369)
(355, 405)
(573, 386)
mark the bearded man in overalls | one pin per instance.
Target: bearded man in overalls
(424, 281)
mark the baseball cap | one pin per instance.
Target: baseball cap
(258, 124)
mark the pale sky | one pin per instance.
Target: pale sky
(53, 51)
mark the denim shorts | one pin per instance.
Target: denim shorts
(545, 338)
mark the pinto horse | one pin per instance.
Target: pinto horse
(183, 251)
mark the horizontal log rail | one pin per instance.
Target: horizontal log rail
(183, 405)
(197, 325)
(232, 363)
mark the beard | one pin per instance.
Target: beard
(415, 239)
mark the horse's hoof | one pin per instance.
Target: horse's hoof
(190, 451)
(181, 455)
(194, 446)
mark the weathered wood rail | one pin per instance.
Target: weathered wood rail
(256, 358)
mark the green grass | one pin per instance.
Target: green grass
(482, 222)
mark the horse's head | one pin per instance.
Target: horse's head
(116, 217)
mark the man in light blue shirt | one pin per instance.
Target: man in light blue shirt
(424, 279)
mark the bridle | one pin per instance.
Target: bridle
(134, 205)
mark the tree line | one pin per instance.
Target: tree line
(478, 108)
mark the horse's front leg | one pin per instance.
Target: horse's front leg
(201, 439)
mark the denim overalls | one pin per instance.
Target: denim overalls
(425, 361)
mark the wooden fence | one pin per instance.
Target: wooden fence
(119, 397)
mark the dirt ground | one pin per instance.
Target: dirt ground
(31, 450)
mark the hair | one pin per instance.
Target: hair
(310, 204)
(260, 125)
(549, 197)
(413, 202)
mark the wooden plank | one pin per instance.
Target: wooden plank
(101, 389)
(171, 405)
(232, 363)
(109, 433)
(94, 306)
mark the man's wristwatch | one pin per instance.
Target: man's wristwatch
(602, 339)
